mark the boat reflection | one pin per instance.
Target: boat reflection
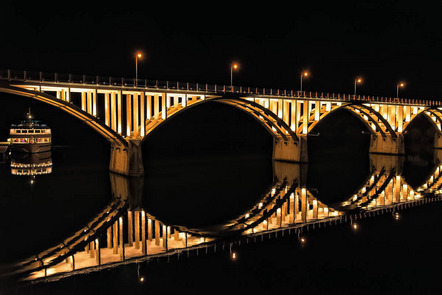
(125, 232)
(27, 164)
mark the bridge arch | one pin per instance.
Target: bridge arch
(94, 123)
(434, 115)
(269, 120)
(372, 119)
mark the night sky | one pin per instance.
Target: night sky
(383, 41)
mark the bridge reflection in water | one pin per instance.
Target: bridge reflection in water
(124, 232)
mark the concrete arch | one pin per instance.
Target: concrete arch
(269, 120)
(435, 117)
(372, 119)
(94, 123)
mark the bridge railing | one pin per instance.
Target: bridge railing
(30, 76)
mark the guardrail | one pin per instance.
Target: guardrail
(41, 77)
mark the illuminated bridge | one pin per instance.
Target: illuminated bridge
(133, 109)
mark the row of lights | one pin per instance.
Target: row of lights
(304, 74)
(357, 81)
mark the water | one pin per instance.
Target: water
(202, 173)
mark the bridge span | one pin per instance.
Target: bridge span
(134, 109)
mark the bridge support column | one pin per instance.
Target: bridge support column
(127, 160)
(295, 173)
(387, 145)
(289, 150)
(437, 141)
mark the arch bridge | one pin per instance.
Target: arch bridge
(127, 111)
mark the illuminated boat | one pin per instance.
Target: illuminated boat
(30, 136)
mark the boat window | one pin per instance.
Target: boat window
(17, 131)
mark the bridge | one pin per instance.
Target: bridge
(124, 232)
(127, 111)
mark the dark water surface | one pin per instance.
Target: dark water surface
(208, 168)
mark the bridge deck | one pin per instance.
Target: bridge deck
(55, 80)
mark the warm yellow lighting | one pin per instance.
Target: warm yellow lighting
(302, 240)
(305, 74)
(139, 55)
(234, 256)
(401, 84)
(235, 66)
(141, 279)
(359, 80)
(355, 226)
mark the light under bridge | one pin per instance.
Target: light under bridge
(134, 109)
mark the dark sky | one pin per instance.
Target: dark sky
(384, 41)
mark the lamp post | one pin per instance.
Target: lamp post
(398, 85)
(357, 81)
(303, 74)
(233, 66)
(137, 56)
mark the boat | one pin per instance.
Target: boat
(30, 136)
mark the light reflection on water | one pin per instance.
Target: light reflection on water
(131, 229)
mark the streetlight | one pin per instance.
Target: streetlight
(400, 84)
(233, 66)
(303, 74)
(357, 81)
(137, 56)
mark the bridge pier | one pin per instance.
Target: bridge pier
(127, 160)
(380, 162)
(437, 141)
(289, 150)
(294, 173)
(387, 145)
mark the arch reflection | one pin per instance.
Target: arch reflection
(433, 181)
(125, 232)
